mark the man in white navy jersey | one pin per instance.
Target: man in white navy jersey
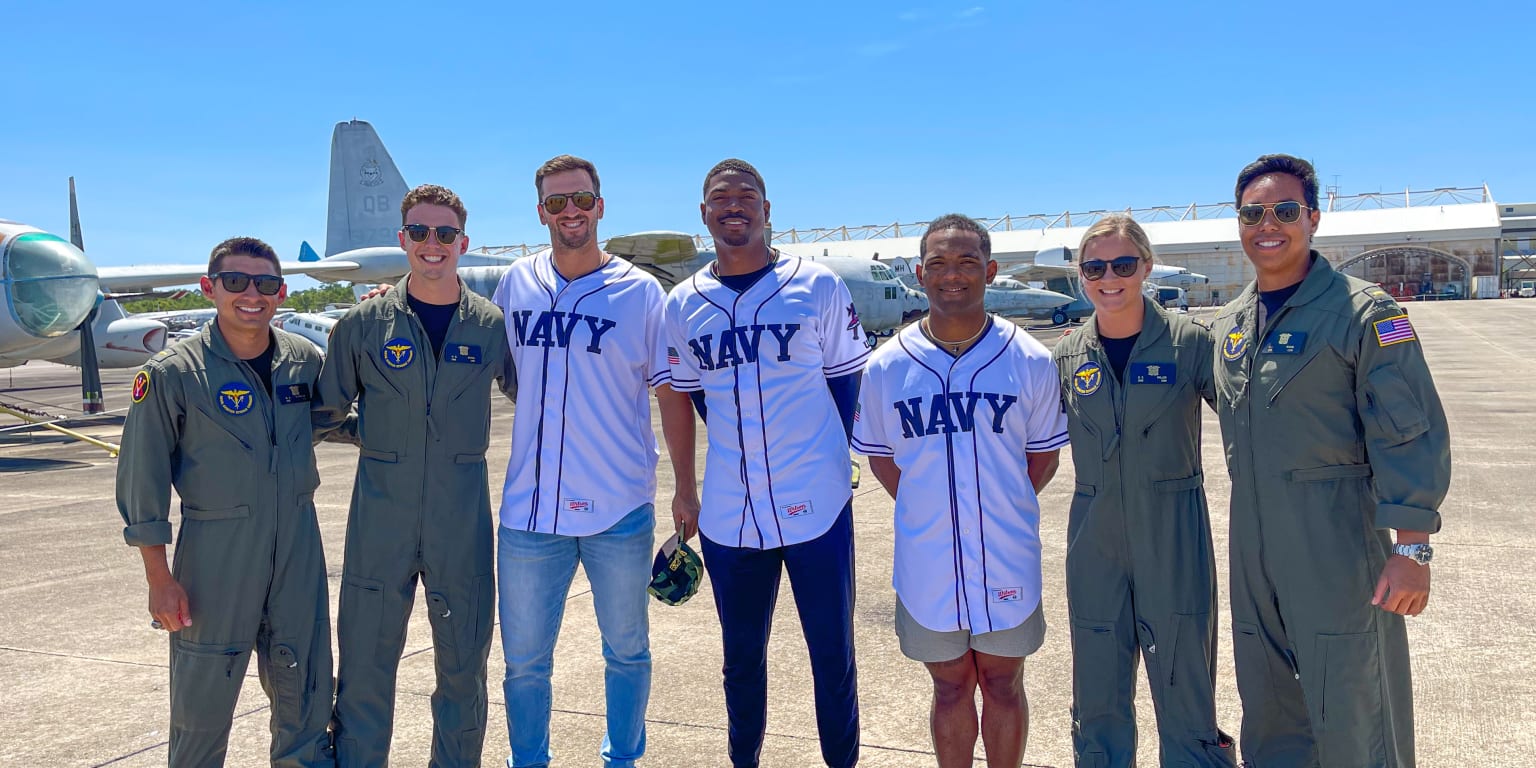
(585, 329)
(770, 347)
(951, 411)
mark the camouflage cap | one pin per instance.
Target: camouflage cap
(677, 572)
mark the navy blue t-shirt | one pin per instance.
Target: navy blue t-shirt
(1119, 353)
(435, 319)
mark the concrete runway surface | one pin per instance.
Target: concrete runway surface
(85, 677)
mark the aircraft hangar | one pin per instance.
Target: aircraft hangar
(1412, 242)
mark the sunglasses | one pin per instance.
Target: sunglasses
(586, 201)
(1285, 213)
(236, 282)
(418, 233)
(1124, 266)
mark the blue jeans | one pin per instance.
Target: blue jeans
(534, 572)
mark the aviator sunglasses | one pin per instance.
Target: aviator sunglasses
(418, 233)
(586, 201)
(235, 282)
(1285, 213)
(1124, 266)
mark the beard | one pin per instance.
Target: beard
(574, 241)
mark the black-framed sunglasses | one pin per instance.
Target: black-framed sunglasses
(1286, 212)
(584, 200)
(418, 233)
(236, 282)
(1124, 266)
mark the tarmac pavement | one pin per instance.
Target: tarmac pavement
(85, 678)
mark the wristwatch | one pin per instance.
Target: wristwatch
(1419, 553)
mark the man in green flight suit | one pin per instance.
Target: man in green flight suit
(419, 364)
(1335, 437)
(224, 417)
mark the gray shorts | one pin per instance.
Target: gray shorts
(920, 643)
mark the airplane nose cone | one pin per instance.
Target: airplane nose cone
(50, 286)
(914, 305)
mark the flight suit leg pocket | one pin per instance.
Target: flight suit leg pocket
(1095, 666)
(1350, 712)
(285, 675)
(1254, 670)
(360, 617)
(447, 621)
(205, 683)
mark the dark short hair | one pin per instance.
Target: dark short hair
(1286, 164)
(243, 246)
(955, 221)
(739, 166)
(432, 194)
(566, 163)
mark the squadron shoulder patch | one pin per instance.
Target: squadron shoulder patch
(140, 386)
(1087, 378)
(1394, 330)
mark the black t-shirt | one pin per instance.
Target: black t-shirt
(1119, 353)
(1274, 300)
(262, 365)
(739, 283)
(435, 319)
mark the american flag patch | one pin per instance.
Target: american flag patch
(1394, 330)
(857, 407)
(672, 358)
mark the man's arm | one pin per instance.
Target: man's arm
(151, 434)
(677, 428)
(331, 413)
(1042, 467)
(886, 472)
(1407, 441)
(845, 393)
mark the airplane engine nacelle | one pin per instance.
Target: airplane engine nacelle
(125, 343)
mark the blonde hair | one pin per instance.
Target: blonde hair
(1124, 226)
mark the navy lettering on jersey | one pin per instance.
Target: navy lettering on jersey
(738, 345)
(947, 414)
(555, 329)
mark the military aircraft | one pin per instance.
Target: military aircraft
(55, 308)
(362, 245)
(1005, 296)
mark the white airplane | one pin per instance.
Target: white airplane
(315, 326)
(1006, 297)
(54, 308)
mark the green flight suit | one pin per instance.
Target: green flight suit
(1140, 566)
(1334, 433)
(420, 508)
(248, 553)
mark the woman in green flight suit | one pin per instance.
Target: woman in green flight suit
(1140, 568)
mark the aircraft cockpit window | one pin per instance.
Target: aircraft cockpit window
(881, 272)
(52, 285)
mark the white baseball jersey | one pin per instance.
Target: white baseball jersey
(967, 519)
(587, 351)
(777, 468)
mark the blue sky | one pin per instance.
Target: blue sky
(188, 123)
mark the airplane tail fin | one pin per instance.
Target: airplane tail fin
(366, 190)
(307, 252)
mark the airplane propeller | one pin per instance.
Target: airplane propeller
(90, 371)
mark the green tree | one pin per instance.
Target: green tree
(315, 299)
(169, 303)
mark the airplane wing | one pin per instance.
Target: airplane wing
(1026, 273)
(147, 277)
